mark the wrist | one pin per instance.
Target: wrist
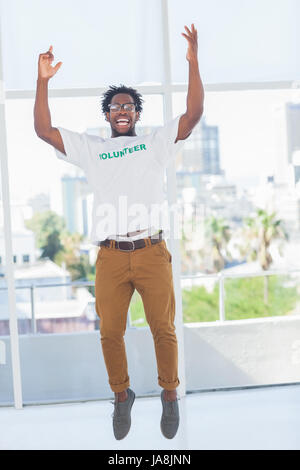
(193, 61)
(43, 79)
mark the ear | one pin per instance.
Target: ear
(137, 117)
(107, 117)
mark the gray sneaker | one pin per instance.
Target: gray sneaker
(121, 415)
(170, 417)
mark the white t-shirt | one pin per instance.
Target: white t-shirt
(126, 175)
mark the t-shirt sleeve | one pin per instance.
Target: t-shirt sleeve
(165, 138)
(76, 147)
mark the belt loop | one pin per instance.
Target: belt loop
(114, 243)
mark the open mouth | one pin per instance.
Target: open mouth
(123, 122)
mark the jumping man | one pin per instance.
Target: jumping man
(126, 174)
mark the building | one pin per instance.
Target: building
(75, 207)
(287, 125)
(293, 138)
(199, 159)
(201, 151)
(42, 287)
(40, 203)
(23, 240)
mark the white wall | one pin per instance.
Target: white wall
(231, 354)
(23, 244)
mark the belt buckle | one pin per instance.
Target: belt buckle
(126, 241)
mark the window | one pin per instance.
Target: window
(248, 167)
(71, 208)
(239, 41)
(120, 57)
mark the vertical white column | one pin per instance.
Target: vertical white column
(9, 268)
(172, 199)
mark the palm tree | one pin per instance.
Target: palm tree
(218, 233)
(259, 232)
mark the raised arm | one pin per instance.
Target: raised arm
(42, 117)
(195, 96)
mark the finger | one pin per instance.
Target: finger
(57, 66)
(187, 29)
(50, 48)
(48, 56)
(187, 37)
(194, 31)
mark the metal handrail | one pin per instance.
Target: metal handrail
(34, 286)
(221, 276)
(223, 272)
(60, 284)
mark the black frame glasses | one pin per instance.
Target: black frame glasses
(132, 107)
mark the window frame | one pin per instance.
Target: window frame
(166, 90)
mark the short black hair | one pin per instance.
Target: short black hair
(115, 90)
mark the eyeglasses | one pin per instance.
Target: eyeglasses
(126, 106)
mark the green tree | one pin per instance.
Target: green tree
(53, 246)
(259, 233)
(47, 227)
(185, 255)
(59, 245)
(218, 234)
(70, 256)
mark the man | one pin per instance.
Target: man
(130, 167)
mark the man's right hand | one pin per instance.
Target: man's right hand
(45, 69)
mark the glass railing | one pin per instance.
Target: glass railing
(70, 307)
(227, 296)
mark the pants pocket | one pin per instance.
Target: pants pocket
(165, 252)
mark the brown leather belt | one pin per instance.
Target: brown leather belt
(132, 245)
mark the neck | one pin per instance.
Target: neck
(130, 133)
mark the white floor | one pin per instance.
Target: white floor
(262, 418)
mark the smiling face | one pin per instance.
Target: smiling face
(123, 121)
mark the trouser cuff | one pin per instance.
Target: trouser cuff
(117, 388)
(168, 385)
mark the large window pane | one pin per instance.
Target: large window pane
(6, 376)
(238, 187)
(99, 44)
(47, 193)
(262, 296)
(239, 41)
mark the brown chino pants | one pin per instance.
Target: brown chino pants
(118, 274)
